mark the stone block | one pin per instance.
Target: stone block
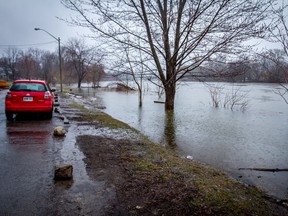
(63, 172)
(59, 131)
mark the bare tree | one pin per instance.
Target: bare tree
(131, 66)
(95, 74)
(79, 57)
(283, 92)
(136, 70)
(215, 94)
(9, 62)
(279, 31)
(177, 35)
(279, 34)
(274, 65)
(4, 68)
(49, 66)
(234, 99)
(219, 68)
(28, 65)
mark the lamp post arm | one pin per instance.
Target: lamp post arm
(39, 29)
(59, 50)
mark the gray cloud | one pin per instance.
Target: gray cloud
(18, 18)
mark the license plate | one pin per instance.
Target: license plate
(28, 99)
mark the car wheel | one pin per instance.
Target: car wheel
(49, 114)
(9, 116)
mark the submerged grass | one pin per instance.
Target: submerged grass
(210, 191)
(103, 119)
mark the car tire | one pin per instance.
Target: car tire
(9, 115)
(49, 114)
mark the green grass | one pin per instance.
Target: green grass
(213, 189)
(104, 119)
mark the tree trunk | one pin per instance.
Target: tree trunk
(140, 97)
(170, 91)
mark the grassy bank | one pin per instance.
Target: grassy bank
(152, 180)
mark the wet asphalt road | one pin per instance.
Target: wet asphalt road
(29, 153)
(26, 164)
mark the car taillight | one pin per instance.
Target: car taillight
(47, 95)
(8, 95)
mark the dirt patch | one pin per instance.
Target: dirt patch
(150, 182)
(138, 193)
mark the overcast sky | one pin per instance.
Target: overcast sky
(18, 18)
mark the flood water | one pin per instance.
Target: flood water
(225, 139)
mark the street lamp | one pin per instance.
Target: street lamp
(60, 65)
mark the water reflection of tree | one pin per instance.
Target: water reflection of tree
(170, 130)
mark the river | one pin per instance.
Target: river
(256, 137)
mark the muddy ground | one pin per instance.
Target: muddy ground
(139, 177)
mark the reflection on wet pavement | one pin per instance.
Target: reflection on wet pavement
(28, 155)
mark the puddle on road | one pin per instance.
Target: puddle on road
(90, 196)
(81, 193)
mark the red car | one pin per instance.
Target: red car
(29, 96)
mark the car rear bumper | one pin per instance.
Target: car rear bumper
(42, 108)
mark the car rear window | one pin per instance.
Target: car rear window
(38, 87)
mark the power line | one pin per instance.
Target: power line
(23, 45)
